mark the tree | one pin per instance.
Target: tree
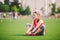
(14, 9)
(27, 10)
(15, 0)
(15, 3)
(2, 7)
(58, 10)
(21, 10)
(53, 8)
(6, 2)
(7, 8)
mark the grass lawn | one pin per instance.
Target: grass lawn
(15, 29)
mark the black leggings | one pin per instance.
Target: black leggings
(40, 33)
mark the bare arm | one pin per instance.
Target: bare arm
(39, 23)
(30, 28)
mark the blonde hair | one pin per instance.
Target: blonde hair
(37, 12)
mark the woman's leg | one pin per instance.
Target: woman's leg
(39, 31)
(28, 25)
(29, 31)
(29, 28)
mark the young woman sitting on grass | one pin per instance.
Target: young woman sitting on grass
(38, 27)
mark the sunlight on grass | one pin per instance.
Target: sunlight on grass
(15, 30)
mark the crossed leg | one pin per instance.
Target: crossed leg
(39, 31)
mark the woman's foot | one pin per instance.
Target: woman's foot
(33, 34)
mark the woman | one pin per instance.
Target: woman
(38, 27)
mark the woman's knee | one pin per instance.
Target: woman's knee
(28, 33)
(28, 25)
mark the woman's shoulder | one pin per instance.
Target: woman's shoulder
(41, 21)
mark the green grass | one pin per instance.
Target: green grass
(16, 29)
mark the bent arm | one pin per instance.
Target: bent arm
(29, 29)
(38, 25)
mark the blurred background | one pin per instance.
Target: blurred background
(14, 14)
(47, 8)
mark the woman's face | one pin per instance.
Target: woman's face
(35, 16)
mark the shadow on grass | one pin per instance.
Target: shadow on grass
(24, 35)
(19, 35)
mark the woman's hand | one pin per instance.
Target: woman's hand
(38, 25)
(34, 30)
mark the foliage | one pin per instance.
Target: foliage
(15, 3)
(27, 10)
(14, 9)
(20, 10)
(7, 8)
(53, 8)
(58, 10)
(6, 2)
(1, 7)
